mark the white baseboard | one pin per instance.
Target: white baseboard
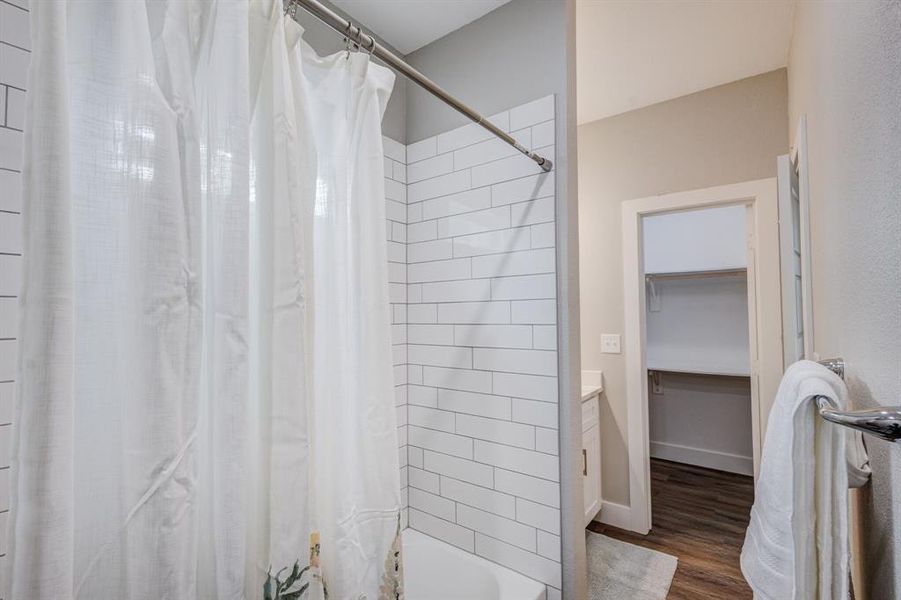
(701, 457)
(617, 515)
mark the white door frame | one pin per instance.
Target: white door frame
(764, 312)
(798, 157)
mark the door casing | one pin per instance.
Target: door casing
(764, 318)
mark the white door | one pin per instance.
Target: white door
(790, 261)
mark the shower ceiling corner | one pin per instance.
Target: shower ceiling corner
(408, 25)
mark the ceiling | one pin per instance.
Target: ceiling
(634, 53)
(411, 24)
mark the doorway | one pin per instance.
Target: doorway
(651, 357)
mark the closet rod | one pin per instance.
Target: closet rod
(696, 274)
(367, 43)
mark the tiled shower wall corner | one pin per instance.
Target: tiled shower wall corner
(481, 334)
(396, 214)
(14, 56)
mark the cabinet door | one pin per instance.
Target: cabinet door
(591, 472)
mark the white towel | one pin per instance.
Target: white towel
(859, 470)
(796, 546)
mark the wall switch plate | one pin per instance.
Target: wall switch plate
(610, 343)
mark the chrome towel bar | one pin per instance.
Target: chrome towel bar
(884, 423)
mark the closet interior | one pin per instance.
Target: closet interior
(697, 337)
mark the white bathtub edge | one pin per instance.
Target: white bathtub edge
(512, 584)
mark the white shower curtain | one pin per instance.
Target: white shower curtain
(205, 383)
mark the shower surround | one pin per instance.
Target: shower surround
(471, 232)
(490, 498)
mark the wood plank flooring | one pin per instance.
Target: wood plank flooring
(700, 516)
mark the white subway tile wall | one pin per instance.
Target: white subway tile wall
(396, 214)
(483, 471)
(14, 56)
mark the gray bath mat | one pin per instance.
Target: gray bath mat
(617, 570)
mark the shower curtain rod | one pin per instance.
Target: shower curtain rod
(356, 36)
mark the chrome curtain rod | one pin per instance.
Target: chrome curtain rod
(367, 43)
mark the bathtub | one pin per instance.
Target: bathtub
(434, 570)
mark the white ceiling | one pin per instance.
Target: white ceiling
(633, 53)
(411, 24)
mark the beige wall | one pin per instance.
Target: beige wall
(725, 134)
(845, 75)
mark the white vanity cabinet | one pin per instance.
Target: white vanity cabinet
(591, 451)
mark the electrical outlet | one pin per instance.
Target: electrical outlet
(656, 383)
(610, 343)
(653, 297)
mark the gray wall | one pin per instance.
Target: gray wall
(508, 57)
(726, 134)
(522, 51)
(326, 41)
(845, 75)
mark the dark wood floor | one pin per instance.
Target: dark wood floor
(700, 516)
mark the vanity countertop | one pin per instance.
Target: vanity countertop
(592, 384)
(588, 391)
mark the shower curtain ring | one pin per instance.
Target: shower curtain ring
(348, 31)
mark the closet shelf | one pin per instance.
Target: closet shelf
(697, 274)
(723, 371)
